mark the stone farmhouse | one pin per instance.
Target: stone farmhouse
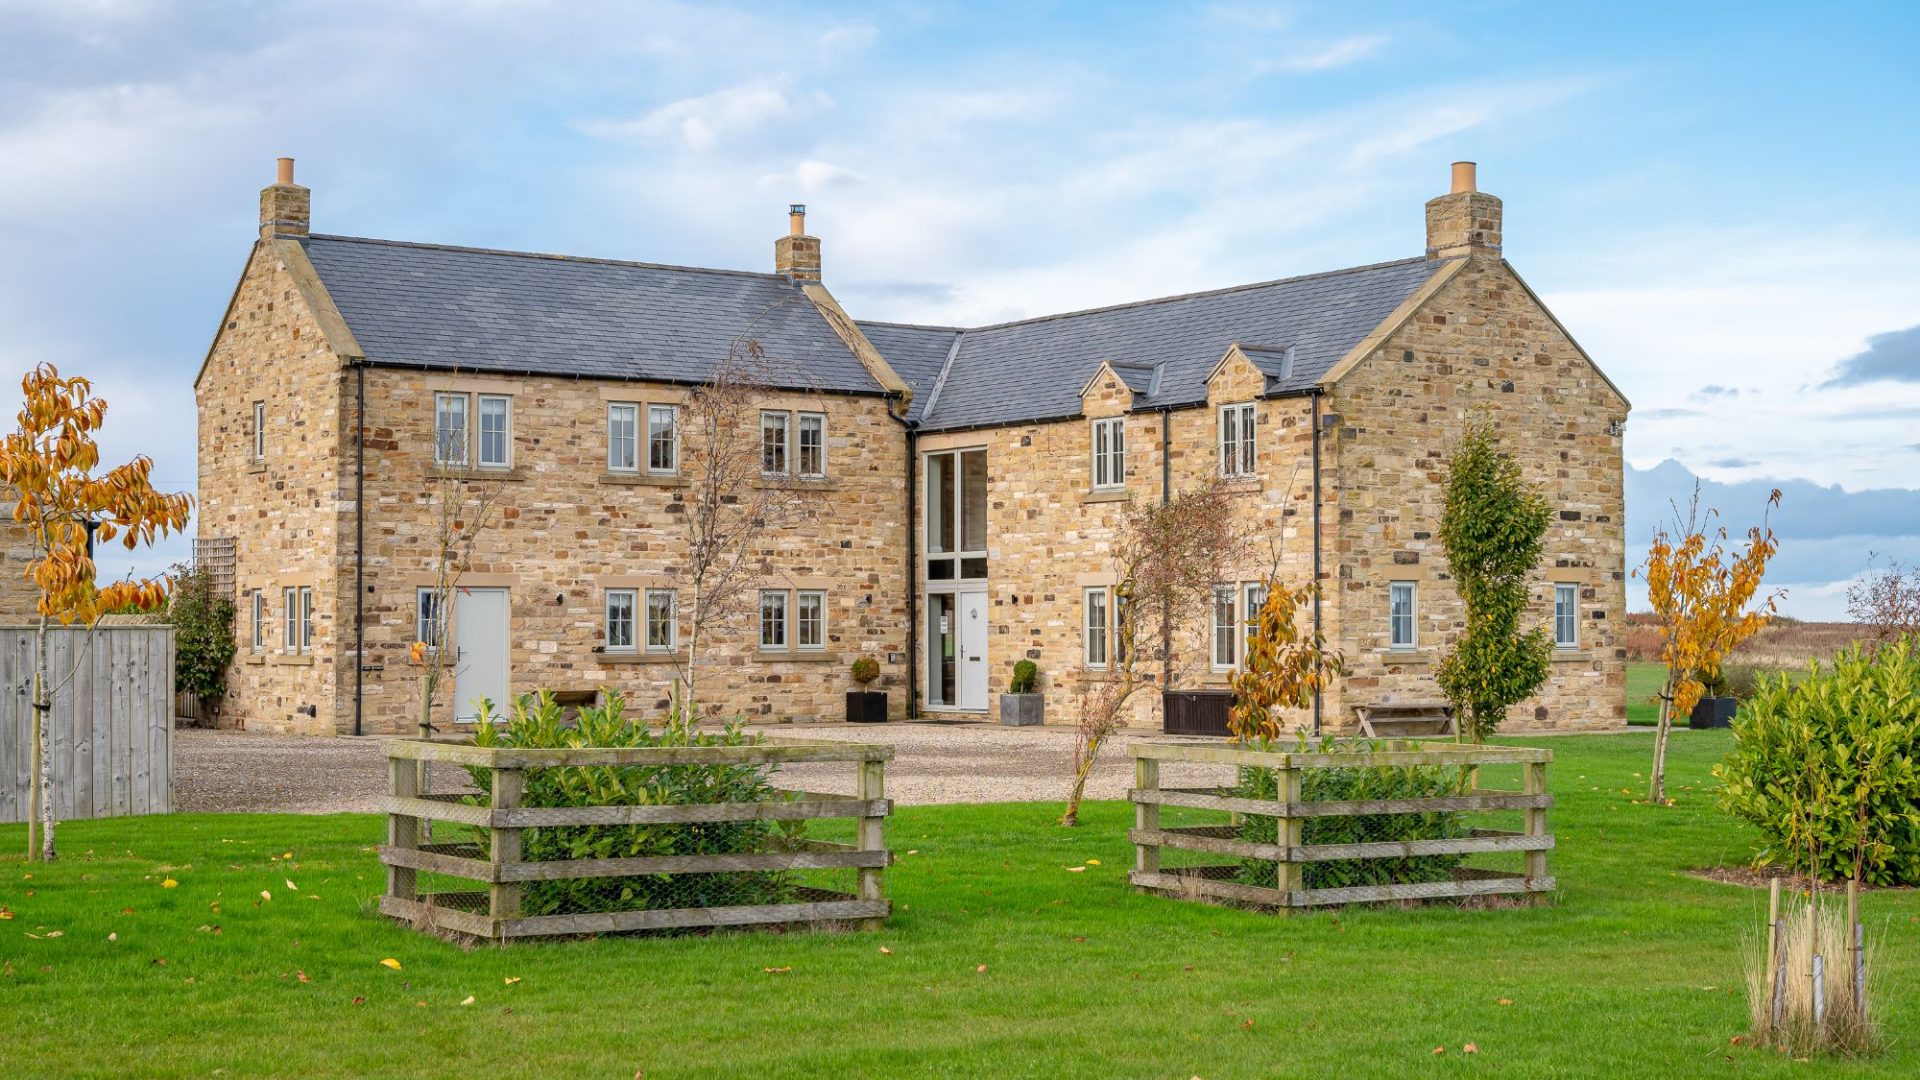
(969, 479)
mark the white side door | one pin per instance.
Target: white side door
(482, 659)
(973, 652)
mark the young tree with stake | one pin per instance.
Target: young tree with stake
(1703, 600)
(47, 466)
(1166, 560)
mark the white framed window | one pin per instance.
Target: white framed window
(1110, 453)
(663, 439)
(623, 427)
(1400, 615)
(810, 620)
(427, 624)
(450, 429)
(662, 629)
(773, 619)
(496, 431)
(956, 514)
(306, 619)
(620, 620)
(259, 621)
(1226, 630)
(259, 431)
(1236, 440)
(1566, 615)
(812, 445)
(290, 622)
(1094, 626)
(773, 443)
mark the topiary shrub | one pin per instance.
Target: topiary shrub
(537, 723)
(1025, 674)
(1368, 782)
(1828, 767)
(865, 670)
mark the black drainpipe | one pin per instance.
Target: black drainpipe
(1166, 496)
(1318, 599)
(913, 579)
(360, 549)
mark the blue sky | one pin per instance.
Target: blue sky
(1719, 200)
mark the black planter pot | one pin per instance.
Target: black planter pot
(866, 706)
(1713, 712)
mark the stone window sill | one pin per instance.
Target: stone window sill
(795, 656)
(257, 466)
(1571, 656)
(621, 659)
(253, 658)
(635, 479)
(1240, 485)
(1107, 496)
(798, 483)
(1405, 657)
(302, 660)
(462, 472)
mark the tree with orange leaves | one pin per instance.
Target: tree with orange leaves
(47, 466)
(1703, 597)
(1285, 665)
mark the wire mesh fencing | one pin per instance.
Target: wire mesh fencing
(593, 840)
(1344, 821)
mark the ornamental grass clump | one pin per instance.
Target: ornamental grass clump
(1362, 782)
(1827, 766)
(537, 723)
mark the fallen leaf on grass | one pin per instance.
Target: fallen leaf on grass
(469, 1000)
(1075, 869)
(1093, 862)
(1504, 1001)
(1470, 1048)
(113, 937)
(56, 933)
(302, 976)
(511, 979)
(291, 887)
(5, 914)
(359, 1001)
(169, 884)
(884, 951)
(1438, 1050)
(390, 962)
(265, 895)
(776, 970)
(981, 970)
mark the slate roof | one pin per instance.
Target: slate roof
(1034, 369)
(434, 306)
(916, 354)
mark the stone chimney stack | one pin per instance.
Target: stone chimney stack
(286, 208)
(796, 254)
(1465, 221)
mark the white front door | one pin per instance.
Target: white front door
(972, 694)
(482, 660)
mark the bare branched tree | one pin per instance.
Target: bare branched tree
(462, 510)
(742, 491)
(1886, 600)
(1167, 558)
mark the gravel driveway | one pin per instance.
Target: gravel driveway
(933, 763)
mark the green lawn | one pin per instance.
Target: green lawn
(1644, 681)
(1635, 970)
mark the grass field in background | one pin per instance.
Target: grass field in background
(1644, 681)
(1634, 971)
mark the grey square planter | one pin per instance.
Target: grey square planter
(1023, 710)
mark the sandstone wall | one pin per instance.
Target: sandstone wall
(564, 530)
(1483, 345)
(283, 510)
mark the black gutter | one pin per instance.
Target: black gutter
(913, 577)
(360, 549)
(1318, 598)
(1166, 496)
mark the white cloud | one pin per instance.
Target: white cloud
(850, 37)
(1326, 56)
(701, 122)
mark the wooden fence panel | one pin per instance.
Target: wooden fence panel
(111, 727)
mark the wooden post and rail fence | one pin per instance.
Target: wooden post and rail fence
(1292, 855)
(493, 910)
